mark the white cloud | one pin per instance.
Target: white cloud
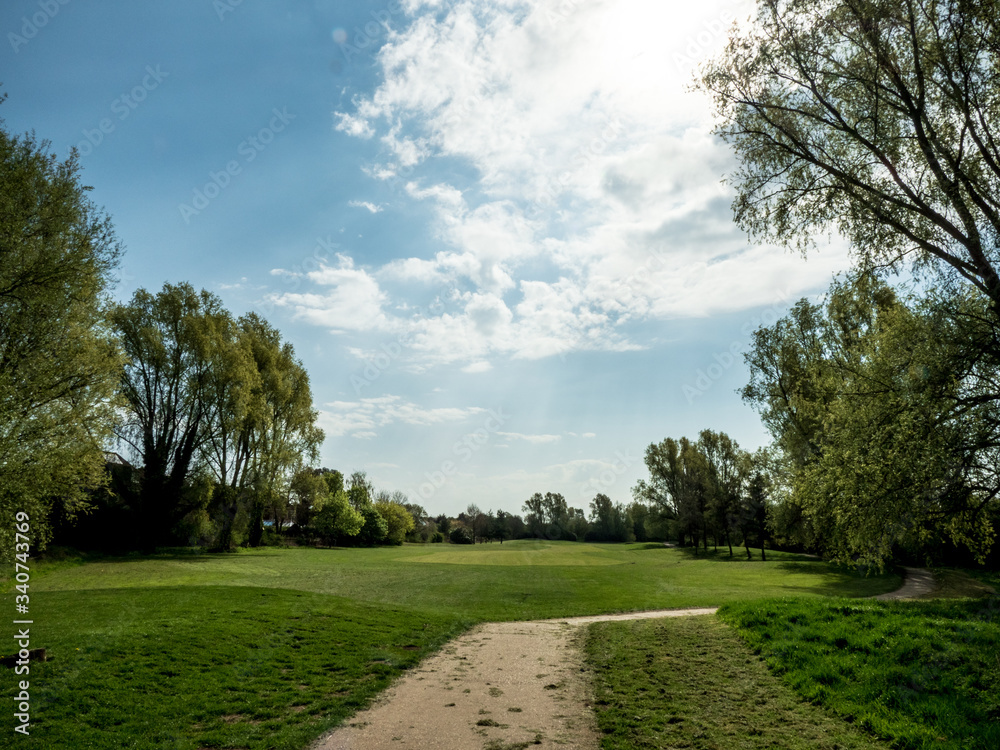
(480, 366)
(363, 418)
(371, 207)
(587, 195)
(350, 301)
(533, 439)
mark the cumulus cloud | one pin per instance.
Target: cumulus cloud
(587, 197)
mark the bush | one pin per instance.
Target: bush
(460, 535)
(437, 537)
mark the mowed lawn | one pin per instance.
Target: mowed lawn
(524, 579)
(270, 648)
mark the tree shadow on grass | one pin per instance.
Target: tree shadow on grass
(774, 557)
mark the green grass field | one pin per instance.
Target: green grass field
(924, 673)
(269, 648)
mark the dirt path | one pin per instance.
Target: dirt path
(506, 686)
(916, 583)
(501, 686)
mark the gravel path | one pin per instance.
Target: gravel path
(501, 686)
(506, 686)
(916, 583)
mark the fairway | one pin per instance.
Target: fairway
(528, 552)
(525, 580)
(290, 641)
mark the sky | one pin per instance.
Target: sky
(497, 234)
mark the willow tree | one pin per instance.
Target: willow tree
(876, 118)
(174, 342)
(887, 412)
(58, 365)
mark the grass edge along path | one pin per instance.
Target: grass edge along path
(189, 668)
(691, 682)
(924, 673)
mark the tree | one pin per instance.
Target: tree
(360, 490)
(875, 117)
(678, 485)
(336, 518)
(535, 518)
(282, 430)
(887, 412)
(173, 341)
(58, 364)
(309, 491)
(499, 527)
(474, 514)
(374, 528)
(609, 521)
(398, 520)
(723, 479)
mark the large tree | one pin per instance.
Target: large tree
(58, 365)
(887, 413)
(175, 344)
(879, 118)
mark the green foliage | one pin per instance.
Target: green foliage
(437, 537)
(58, 363)
(398, 520)
(610, 522)
(374, 527)
(337, 519)
(460, 535)
(174, 344)
(887, 416)
(690, 682)
(203, 390)
(924, 674)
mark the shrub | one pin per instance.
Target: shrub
(437, 537)
(460, 535)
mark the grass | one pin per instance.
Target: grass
(205, 667)
(692, 683)
(925, 673)
(270, 648)
(519, 580)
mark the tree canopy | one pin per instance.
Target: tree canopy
(58, 363)
(875, 117)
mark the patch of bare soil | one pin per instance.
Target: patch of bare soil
(501, 686)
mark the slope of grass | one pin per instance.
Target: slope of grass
(269, 648)
(480, 583)
(924, 673)
(202, 667)
(692, 683)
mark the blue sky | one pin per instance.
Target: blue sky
(495, 232)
